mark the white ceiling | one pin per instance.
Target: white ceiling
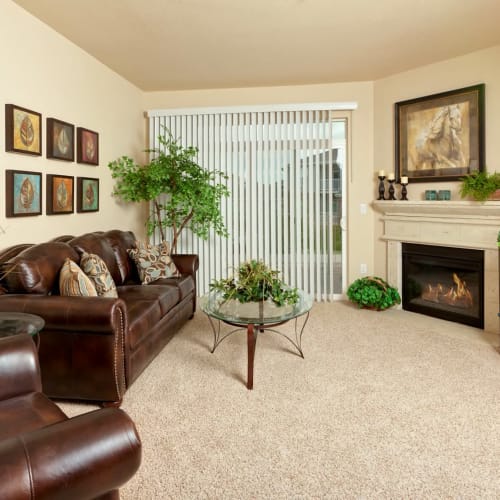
(192, 44)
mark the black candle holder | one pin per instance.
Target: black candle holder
(391, 189)
(381, 187)
(404, 192)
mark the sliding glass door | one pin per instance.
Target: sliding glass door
(286, 174)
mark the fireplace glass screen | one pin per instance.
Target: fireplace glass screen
(444, 282)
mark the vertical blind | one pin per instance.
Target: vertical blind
(285, 182)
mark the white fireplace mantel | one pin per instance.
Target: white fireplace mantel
(462, 224)
(466, 224)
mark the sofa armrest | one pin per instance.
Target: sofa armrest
(94, 314)
(186, 263)
(19, 369)
(83, 457)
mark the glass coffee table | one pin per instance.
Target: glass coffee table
(255, 317)
(15, 323)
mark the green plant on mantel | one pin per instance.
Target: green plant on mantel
(372, 292)
(479, 185)
(255, 282)
(498, 239)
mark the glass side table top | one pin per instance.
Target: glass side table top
(257, 313)
(14, 323)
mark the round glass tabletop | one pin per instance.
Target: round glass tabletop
(257, 313)
(14, 323)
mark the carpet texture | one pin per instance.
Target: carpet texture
(385, 405)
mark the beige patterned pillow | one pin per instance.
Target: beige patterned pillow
(95, 268)
(153, 261)
(73, 282)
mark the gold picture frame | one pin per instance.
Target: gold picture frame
(23, 130)
(440, 137)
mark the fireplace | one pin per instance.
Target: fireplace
(444, 282)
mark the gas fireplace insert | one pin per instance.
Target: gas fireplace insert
(444, 282)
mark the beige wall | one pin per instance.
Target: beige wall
(44, 72)
(479, 67)
(359, 190)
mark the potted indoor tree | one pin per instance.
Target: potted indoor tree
(372, 292)
(192, 194)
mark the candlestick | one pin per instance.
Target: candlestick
(391, 177)
(404, 192)
(391, 189)
(381, 187)
(381, 173)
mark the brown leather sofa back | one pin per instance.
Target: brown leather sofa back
(36, 269)
(112, 247)
(95, 243)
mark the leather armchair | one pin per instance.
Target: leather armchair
(46, 455)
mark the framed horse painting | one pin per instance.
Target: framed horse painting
(440, 137)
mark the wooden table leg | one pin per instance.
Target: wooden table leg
(251, 338)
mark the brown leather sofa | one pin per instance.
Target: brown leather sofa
(93, 348)
(46, 455)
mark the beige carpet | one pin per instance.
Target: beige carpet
(385, 405)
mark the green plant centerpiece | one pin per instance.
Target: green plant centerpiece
(254, 281)
(192, 194)
(373, 292)
(479, 185)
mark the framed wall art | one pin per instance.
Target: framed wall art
(60, 140)
(23, 130)
(23, 193)
(87, 150)
(87, 194)
(60, 194)
(440, 137)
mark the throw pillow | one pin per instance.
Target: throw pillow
(97, 271)
(73, 282)
(153, 261)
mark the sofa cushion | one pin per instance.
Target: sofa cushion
(36, 269)
(146, 306)
(97, 271)
(120, 242)
(184, 283)
(73, 282)
(153, 261)
(166, 296)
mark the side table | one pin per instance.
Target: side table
(16, 323)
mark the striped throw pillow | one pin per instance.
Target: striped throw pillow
(73, 282)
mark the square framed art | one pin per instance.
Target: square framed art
(440, 137)
(87, 194)
(87, 149)
(60, 140)
(60, 194)
(23, 130)
(23, 193)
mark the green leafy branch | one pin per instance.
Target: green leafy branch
(193, 194)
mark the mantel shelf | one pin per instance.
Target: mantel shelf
(438, 208)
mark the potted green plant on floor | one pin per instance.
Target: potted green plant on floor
(183, 194)
(372, 292)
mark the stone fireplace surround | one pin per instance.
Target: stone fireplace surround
(462, 224)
